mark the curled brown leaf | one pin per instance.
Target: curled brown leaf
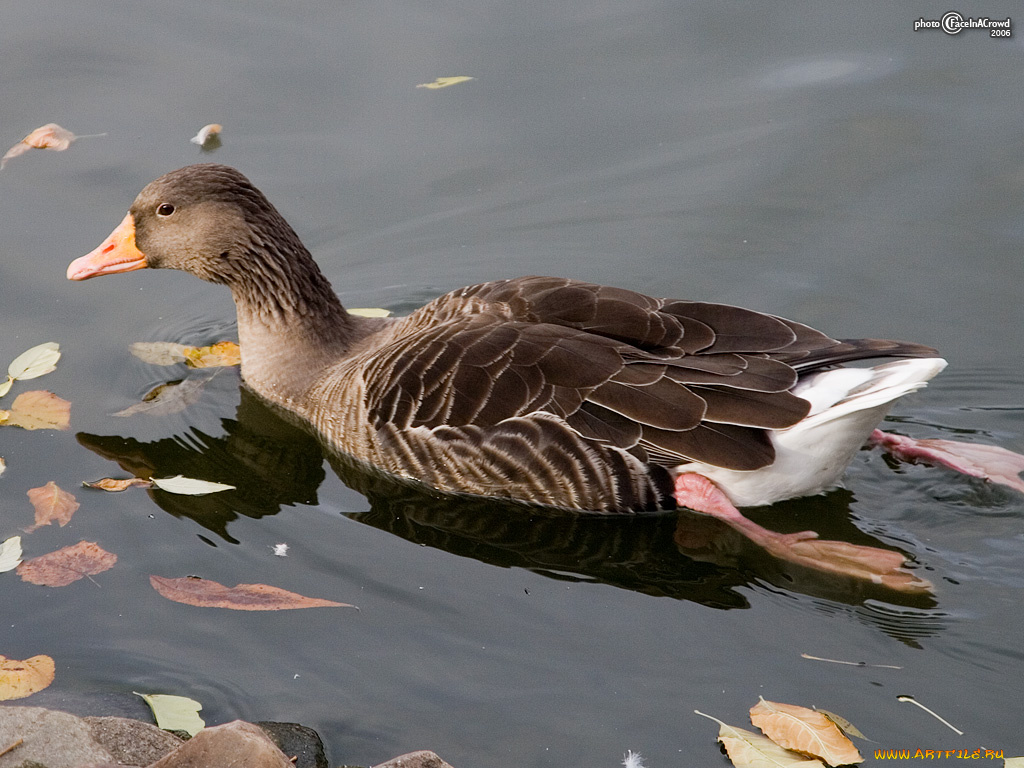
(115, 485)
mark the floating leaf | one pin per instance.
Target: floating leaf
(444, 82)
(10, 554)
(38, 409)
(3, 465)
(35, 362)
(843, 724)
(19, 679)
(49, 136)
(112, 485)
(160, 352)
(175, 713)
(208, 137)
(5, 386)
(52, 505)
(752, 750)
(204, 593)
(804, 730)
(172, 397)
(219, 355)
(67, 565)
(370, 312)
(1013, 762)
(188, 486)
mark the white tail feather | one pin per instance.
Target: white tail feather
(811, 456)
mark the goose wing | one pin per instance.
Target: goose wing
(667, 381)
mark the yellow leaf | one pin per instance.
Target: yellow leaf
(35, 362)
(175, 713)
(5, 386)
(752, 750)
(444, 82)
(19, 679)
(223, 353)
(38, 409)
(370, 312)
(804, 730)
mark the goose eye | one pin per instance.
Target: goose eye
(165, 209)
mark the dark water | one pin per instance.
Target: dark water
(824, 163)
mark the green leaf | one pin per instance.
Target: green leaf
(175, 713)
(33, 363)
(188, 486)
(10, 554)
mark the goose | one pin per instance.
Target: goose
(542, 390)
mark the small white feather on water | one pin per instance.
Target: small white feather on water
(633, 759)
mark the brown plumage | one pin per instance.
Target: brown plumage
(539, 389)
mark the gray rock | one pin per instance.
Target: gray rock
(131, 742)
(301, 744)
(49, 738)
(233, 744)
(422, 759)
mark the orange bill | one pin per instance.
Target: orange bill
(118, 253)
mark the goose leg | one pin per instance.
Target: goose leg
(878, 566)
(696, 492)
(988, 462)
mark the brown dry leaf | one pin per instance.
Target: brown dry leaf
(205, 593)
(219, 355)
(19, 679)
(804, 730)
(752, 750)
(67, 565)
(52, 505)
(113, 485)
(49, 136)
(38, 409)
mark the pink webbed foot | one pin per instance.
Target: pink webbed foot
(989, 462)
(879, 566)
